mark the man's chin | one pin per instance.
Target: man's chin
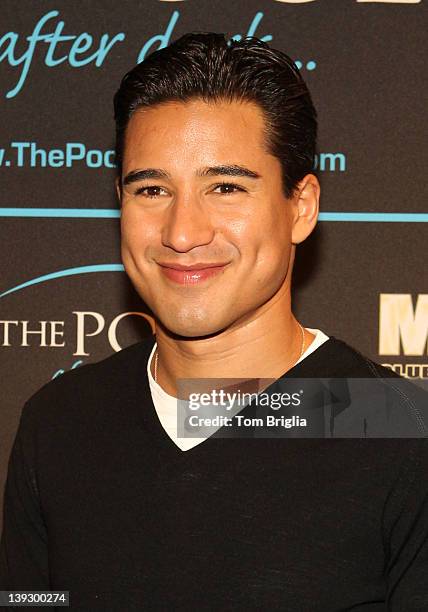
(191, 329)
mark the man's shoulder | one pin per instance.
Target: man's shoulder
(111, 379)
(338, 359)
(363, 385)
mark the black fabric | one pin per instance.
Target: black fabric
(99, 501)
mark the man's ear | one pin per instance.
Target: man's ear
(118, 185)
(306, 208)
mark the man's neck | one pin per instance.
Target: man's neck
(264, 347)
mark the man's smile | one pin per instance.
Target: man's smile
(191, 274)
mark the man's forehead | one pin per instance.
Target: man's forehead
(210, 134)
(174, 114)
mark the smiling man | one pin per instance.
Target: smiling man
(208, 238)
(106, 496)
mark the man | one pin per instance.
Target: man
(105, 498)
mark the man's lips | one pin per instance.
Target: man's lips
(191, 274)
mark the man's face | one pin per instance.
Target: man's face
(199, 187)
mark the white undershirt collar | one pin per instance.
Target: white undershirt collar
(166, 405)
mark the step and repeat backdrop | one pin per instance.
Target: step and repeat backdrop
(65, 299)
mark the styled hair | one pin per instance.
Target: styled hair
(208, 67)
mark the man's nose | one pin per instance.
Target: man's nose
(187, 224)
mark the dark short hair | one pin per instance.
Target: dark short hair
(207, 66)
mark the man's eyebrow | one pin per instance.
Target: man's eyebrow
(228, 170)
(223, 170)
(147, 173)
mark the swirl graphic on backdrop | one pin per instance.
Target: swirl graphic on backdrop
(68, 272)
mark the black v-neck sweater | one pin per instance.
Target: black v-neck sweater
(99, 501)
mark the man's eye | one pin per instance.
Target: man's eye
(226, 188)
(152, 191)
